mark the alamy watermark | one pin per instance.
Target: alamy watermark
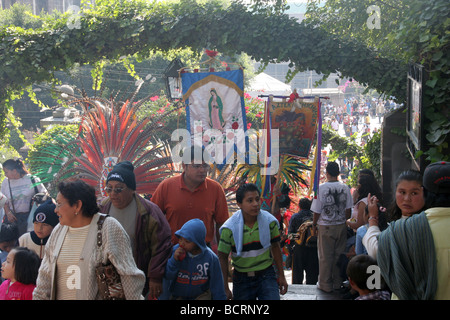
(374, 19)
(374, 280)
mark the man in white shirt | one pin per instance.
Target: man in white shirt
(335, 124)
(331, 208)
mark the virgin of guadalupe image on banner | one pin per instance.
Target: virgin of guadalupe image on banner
(297, 125)
(215, 113)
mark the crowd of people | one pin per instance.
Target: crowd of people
(356, 114)
(183, 244)
(406, 239)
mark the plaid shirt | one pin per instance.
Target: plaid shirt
(376, 295)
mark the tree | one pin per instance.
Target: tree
(412, 31)
(117, 28)
(121, 28)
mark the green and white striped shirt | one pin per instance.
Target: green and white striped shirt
(253, 256)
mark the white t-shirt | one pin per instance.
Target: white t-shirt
(335, 125)
(355, 208)
(22, 191)
(332, 200)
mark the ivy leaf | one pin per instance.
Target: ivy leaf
(437, 56)
(432, 82)
(424, 38)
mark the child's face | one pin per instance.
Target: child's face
(189, 246)
(7, 246)
(42, 230)
(409, 197)
(251, 204)
(8, 266)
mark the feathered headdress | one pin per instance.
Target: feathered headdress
(110, 132)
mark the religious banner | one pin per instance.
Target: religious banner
(215, 112)
(297, 125)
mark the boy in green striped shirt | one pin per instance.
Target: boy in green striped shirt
(252, 237)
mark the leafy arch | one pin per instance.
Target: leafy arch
(116, 28)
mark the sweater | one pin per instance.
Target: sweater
(115, 247)
(152, 245)
(16, 291)
(33, 242)
(194, 275)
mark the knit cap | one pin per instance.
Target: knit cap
(123, 172)
(45, 213)
(436, 177)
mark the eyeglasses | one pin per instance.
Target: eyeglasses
(198, 166)
(116, 190)
(59, 204)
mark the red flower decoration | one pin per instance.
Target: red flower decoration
(235, 125)
(211, 53)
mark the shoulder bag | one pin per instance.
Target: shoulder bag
(108, 279)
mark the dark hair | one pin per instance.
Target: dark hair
(246, 187)
(305, 203)
(366, 171)
(78, 190)
(437, 200)
(332, 169)
(196, 151)
(26, 265)
(382, 217)
(394, 212)
(18, 165)
(9, 232)
(368, 184)
(284, 201)
(357, 270)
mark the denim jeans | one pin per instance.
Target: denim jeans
(262, 286)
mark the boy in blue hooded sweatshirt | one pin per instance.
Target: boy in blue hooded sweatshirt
(193, 271)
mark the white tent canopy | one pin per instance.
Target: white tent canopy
(263, 84)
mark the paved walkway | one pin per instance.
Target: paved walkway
(303, 291)
(306, 291)
(309, 292)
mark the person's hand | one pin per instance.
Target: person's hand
(372, 205)
(228, 293)
(276, 190)
(282, 284)
(373, 209)
(154, 289)
(179, 254)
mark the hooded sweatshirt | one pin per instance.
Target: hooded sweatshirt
(194, 275)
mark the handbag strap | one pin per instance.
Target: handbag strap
(99, 226)
(33, 181)
(12, 199)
